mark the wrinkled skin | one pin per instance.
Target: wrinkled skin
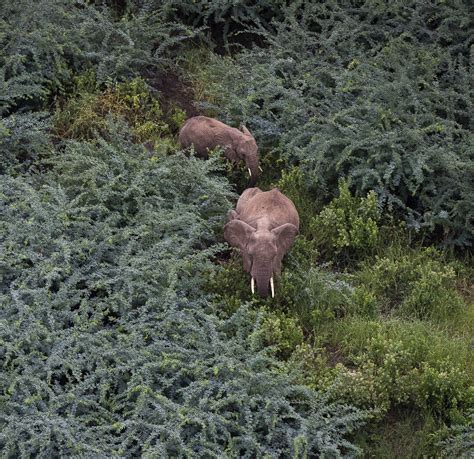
(207, 133)
(263, 226)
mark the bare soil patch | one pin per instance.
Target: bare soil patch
(173, 92)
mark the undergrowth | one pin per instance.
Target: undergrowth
(128, 327)
(105, 334)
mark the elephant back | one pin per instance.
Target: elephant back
(272, 206)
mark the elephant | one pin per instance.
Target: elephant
(207, 133)
(263, 226)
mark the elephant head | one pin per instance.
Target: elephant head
(262, 250)
(247, 149)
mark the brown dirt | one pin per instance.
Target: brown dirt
(335, 355)
(173, 92)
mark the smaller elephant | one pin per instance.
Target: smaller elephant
(207, 133)
(263, 226)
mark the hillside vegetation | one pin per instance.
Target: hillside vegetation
(127, 325)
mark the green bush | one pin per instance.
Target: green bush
(292, 184)
(365, 303)
(223, 20)
(348, 225)
(24, 139)
(84, 115)
(281, 331)
(230, 286)
(418, 284)
(406, 433)
(315, 296)
(319, 369)
(402, 363)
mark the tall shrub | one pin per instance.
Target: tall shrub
(43, 44)
(108, 346)
(375, 92)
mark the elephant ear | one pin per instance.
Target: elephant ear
(285, 236)
(245, 130)
(237, 233)
(232, 215)
(231, 153)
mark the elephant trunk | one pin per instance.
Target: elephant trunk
(262, 273)
(252, 165)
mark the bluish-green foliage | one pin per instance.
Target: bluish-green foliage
(108, 346)
(43, 44)
(376, 92)
(24, 139)
(460, 441)
(124, 329)
(223, 19)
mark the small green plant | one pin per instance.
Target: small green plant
(282, 331)
(398, 363)
(347, 226)
(315, 296)
(365, 303)
(84, 115)
(293, 185)
(176, 118)
(418, 283)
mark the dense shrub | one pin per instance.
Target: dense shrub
(85, 113)
(282, 331)
(24, 139)
(292, 184)
(377, 93)
(397, 362)
(347, 225)
(419, 284)
(224, 20)
(43, 44)
(108, 345)
(315, 296)
(460, 439)
(407, 432)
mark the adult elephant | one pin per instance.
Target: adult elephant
(263, 226)
(206, 133)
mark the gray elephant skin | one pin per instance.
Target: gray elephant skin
(263, 226)
(207, 133)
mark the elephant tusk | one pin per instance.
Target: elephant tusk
(272, 286)
(252, 286)
(261, 170)
(250, 172)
